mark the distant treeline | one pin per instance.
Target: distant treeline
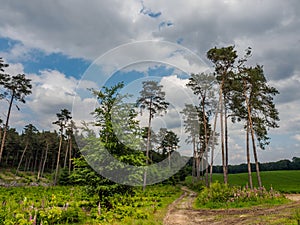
(284, 164)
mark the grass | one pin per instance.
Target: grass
(285, 181)
(9, 177)
(223, 196)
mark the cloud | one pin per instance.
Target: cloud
(88, 30)
(297, 137)
(51, 92)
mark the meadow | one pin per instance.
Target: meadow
(284, 181)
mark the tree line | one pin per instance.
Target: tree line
(284, 164)
(234, 92)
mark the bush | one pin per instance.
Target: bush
(221, 195)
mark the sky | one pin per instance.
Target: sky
(66, 47)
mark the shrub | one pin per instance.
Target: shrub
(221, 195)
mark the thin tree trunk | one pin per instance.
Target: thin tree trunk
(66, 155)
(206, 141)
(70, 155)
(45, 159)
(253, 138)
(213, 141)
(202, 165)
(15, 159)
(53, 161)
(57, 161)
(23, 153)
(6, 125)
(28, 164)
(40, 165)
(255, 157)
(35, 161)
(226, 140)
(147, 147)
(222, 139)
(198, 165)
(169, 157)
(194, 160)
(248, 158)
(206, 170)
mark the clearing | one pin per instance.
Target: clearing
(181, 212)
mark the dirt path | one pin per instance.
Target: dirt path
(181, 212)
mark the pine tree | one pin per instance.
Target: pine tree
(152, 99)
(18, 87)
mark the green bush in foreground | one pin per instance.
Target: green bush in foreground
(223, 196)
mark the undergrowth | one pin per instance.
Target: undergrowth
(223, 196)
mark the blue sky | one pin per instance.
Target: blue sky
(61, 45)
(36, 60)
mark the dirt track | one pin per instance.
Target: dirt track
(181, 212)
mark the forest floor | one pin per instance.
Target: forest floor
(181, 212)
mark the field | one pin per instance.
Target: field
(286, 181)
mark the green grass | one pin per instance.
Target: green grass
(286, 181)
(219, 195)
(9, 177)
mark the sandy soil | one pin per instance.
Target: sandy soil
(180, 212)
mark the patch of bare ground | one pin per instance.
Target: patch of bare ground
(293, 197)
(181, 212)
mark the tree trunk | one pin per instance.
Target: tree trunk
(255, 158)
(169, 157)
(147, 147)
(15, 159)
(40, 165)
(194, 160)
(198, 165)
(226, 140)
(23, 153)
(222, 138)
(213, 141)
(45, 159)
(6, 125)
(28, 164)
(70, 155)
(35, 161)
(67, 151)
(206, 141)
(57, 161)
(206, 170)
(248, 158)
(252, 137)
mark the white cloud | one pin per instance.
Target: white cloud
(51, 92)
(88, 30)
(297, 137)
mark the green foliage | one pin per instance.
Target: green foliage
(40, 205)
(195, 185)
(223, 196)
(296, 216)
(286, 181)
(71, 205)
